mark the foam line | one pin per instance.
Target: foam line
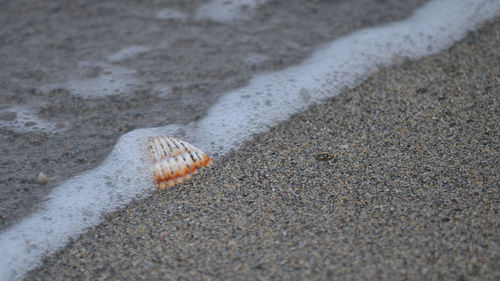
(125, 175)
(225, 11)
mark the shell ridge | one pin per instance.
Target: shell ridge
(175, 161)
(160, 175)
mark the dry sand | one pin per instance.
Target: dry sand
(395, 179)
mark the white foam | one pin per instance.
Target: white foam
(162, 90)
(128, 52)
(226, 11)
(94, 80)
(269, 98)
(255, 59)
(168, 14)
(23, 119)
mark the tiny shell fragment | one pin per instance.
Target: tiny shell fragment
(175, 160)
(42, 178)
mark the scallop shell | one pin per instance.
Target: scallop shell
(175, 160)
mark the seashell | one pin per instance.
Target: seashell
(175, 160)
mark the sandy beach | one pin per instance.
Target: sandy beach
(396, 179)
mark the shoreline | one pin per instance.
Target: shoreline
(392, 179)
(164, 71)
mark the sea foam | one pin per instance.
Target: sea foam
(24, 119)
(225, 11)
(269, 98)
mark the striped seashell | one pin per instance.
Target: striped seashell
(175, 160)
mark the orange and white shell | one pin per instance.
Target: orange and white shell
(175, 160)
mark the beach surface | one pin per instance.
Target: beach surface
(76, 76)
(394, 179)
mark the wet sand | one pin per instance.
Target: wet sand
(395, 179)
